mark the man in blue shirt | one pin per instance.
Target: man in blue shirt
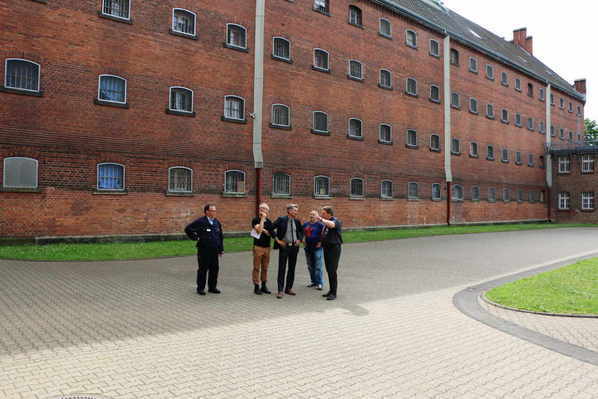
(313, 248)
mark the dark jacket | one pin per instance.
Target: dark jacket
(208, 236)
(280, 225)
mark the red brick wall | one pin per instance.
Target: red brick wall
(575, 183)
(70, 135)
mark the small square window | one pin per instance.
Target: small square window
(321, 60)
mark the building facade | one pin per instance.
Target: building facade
(125, 117)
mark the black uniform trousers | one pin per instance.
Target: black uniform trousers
(332, 255)
(207, 262)
(285, 254)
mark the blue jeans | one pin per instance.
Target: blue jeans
(314, 264)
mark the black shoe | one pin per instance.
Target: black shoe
(215, 291)
(201, 292)
(312, 285)
(331, 297)
(265, 289)
(256, 289)
(326, 294)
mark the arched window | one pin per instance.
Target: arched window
(385, 28)
(504, 117)
(473, 105)
(117, 8)
(320, 122)
(322, 186)
(20, 172)
(355, 128)
(322, 6)
(355, 69)
(506, 195)
(457, 194)
(386, 189)
(281, 184)
(411, 87)
(281, 116)
(236, 36)
(181, 99)
(111, 176)
(281, 48)
(234, 108)
(357, 187)
(321, 60)
(234, 182)
(355, 16)
(385, 133)
(473, 150)
(112, 89)
(21, 75)
(411, 38)
(179, 179)
(435, 93)
(183, 21)
(490, 111)
(385, 79)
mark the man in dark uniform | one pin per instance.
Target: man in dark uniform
(207, 231)
(331, 242)
(289, 234)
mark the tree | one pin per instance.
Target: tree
(591, 131)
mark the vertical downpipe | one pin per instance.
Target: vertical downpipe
(447, 125)
(548, 156)
(258, 96)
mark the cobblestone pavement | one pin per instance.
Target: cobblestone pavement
(136, 329)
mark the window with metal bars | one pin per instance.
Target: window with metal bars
(385, 79)
(355, 16)
(455, 146)
(411, 138)
(411, 87)
(436, 193)
(234, 182)
(236, 36)
(281, 184)
(281, 115)
(20, 172)
(179, 179)
(385, 27)
(321, 60)
(355, 128)
(112, 88)
(435, 93)
(321, 186)
(412, 191)
(454, 57)
(117, 8)
(411, 38)
(183, 21)
(181, 99)
(355, 69)
(473, 64)
(111, 176)
(320, 121)
(386, 189)
(564, 164)
(322, 6)
(434, 48)
(234, 108)
(587, 201)
(357, 187)
(21, 75)
(281, 48)
(475, 193)
(457, 194)
(385, 133)
(587, 163)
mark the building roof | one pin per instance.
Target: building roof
(432, 14)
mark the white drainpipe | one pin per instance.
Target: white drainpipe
(447, 110)
(548, 136)
(258, 84)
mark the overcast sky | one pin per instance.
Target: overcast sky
(564, 32)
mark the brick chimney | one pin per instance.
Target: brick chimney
(580, 86)
(524, 41)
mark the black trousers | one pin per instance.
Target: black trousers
(286, 254)
(207, 265)
(332, 255)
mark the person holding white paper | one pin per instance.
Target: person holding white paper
(262, 230)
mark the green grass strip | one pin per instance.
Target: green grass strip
(569, 290)
(144, 250)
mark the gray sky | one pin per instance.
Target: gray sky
(565, 33)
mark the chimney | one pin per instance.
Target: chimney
(521, 39)
(580, 86)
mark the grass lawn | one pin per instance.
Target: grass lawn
(114, 251)
(571, 289)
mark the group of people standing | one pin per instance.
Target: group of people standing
(320, 236)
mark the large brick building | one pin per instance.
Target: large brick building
(125, 116)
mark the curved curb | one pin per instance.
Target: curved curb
(484, 298)
(467, 302)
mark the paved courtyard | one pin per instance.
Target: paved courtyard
(136, 329)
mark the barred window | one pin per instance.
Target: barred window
(473, 64)
(517, 84)
(505, 155)
(455, 100)
(181, 99)
(434, 48)
(281, 115)
(355, 69)
(412, 191)
(117, 8)
(491, 194)
(490, 72)
(281, 48)
(473, 105)
(357, 189)
(530, 90)
(518, 158)
(281, 184)
(386, 189)
(320, 121)
(321, 59)
(234, 182)
(321, 186)
(385, 27)
(457, 193)
(570, 107)
(564, 164)
(355, 16)
(530, 123)
(504, 115)
(587, 201)
(564, 200)
(21, 75)
(562, 133)
(236, 36)
(385, 133)
(111, 176)
(234, 108)
(490, 153)
(322, 6)
(183, 21)
(179, 179)
(542, 93)
(552, 99)
(542, 127)
(504, 79)
(517, 119)
(411, 138)
(20, 172)
(435, 142)
(455, 146)
(531, 197)
(112, 88)
(411, 38)
(506, 194)
(562, 103)
(454, 57)
(475, 193)
(434, 93)
(473, 149)
(587, 164)
(355, 127)
(520, 196)
(490, 111)
(436, 194)
(530, 159)
(385, 79)
(552, 131)
(411, 86)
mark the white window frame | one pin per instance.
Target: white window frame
(380, 132)
(380, 78)
(473, 100)
(504, 115)
(244, 182)
(194, 22)
(473, 153)
(471, 67)
(505, 81)
(475, 193)
(113, 76)
(328, 180)
(39, 74)
(506, 194)
(491, 74)
(437, 54)
(116, 16)
(564, 164)
(327, 59)
(455, 140)
(389, 34)
(5, 169)
(361, 69)
(587, 163)
(491, 194)
(272, 115)
(407, 32)
(436, 99)
(360, 127)
(238, 97)
(290, 184)
(313, 119)
(408, 134)
(564, 202)
(180, 191)
(458, 104)
(457, 187)
(435, 148)
(362, 195)
(170, 99)
(409, 196)
(358, 15)
(439, 197)
(382, 195)
(274, 47)
(98, 177)
(244, 47)
(518, 84)
(587, 200)
(490, 111)
(407, 86)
